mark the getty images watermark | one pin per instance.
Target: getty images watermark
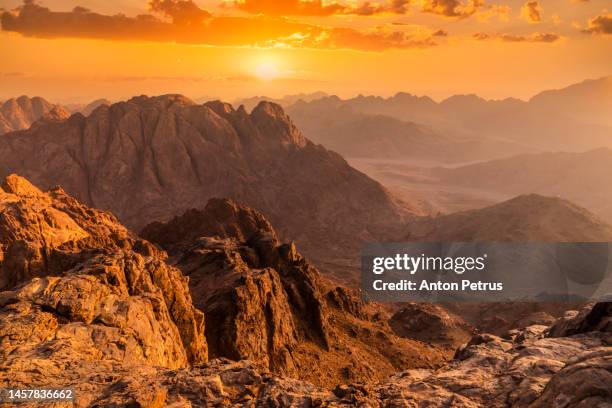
(487, 271)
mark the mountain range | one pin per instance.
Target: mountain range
(573, 118)
(151, 158)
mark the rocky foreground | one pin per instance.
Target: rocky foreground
(226, 315)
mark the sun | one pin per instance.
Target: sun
(266, 71)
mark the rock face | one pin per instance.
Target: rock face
(20, 113)
(264, 302)
(150, 159)
(81, 287)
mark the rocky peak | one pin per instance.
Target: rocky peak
(263, 301)
(20, 113)
(260, 297)
(13, 184)
(221, 218)
(169, 101)
(271, 120)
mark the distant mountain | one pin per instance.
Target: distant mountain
(344, 128)
(250, 103)
(524, 218)
(20, 113)
(589, 101)
(149, 159)
(578, 177)
(572, 118)
(87, 108)
(90, 107)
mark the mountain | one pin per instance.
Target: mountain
(87, 108)
(287, 100)
(21, 113)
(110, 316)
(589, 101)
(354, 134)
(573, 118)
(92, 106)
(152, 158)
(573, 176)
(525, 218)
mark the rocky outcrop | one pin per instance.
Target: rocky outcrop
(265, 302)
(46, 233)
(20, 113)
(81, 285)
(153, 158)
(595, 318)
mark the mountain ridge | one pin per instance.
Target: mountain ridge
(22, 112)
(151, 158)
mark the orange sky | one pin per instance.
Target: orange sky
(232, 49)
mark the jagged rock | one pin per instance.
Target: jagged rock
(596, 317)
(79, 280)
(119, 307)
(342, 299)
(264, 302)
(20, 113)
(46, 233)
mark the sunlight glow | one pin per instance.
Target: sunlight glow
(266, 71)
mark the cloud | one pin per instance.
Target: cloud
(601, 24)
(447, 8)
(317, 8)
(180, 11)
(192, 25)
(373, 40)
(532, 38)
(440, 33)
(289, 7)
(531, 11)
(452, 8)
(501, 12)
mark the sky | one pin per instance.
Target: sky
(74, 51)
